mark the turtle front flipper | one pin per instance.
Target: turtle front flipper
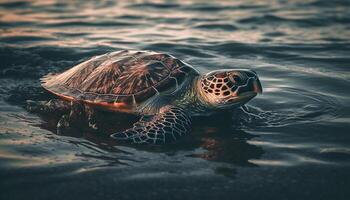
(168, 125)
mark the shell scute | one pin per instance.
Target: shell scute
(173, 63)
(168, 85)
(80, 72)
(145, 94)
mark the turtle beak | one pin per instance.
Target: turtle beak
(255, 83)
(257, 86)
(252, 83)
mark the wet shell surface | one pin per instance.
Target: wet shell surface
(119, 80)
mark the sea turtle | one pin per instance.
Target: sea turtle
(162, 89)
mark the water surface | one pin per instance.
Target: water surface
(292, 142)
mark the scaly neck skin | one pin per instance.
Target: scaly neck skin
(194, 100)
(199, 93)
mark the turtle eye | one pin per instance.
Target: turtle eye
(237, 78)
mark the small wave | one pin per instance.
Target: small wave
(130, 17)
(336, 153)
(71, 34)
(21, 39)
(226, 27)
(154, 5)
(274, 34)
(302, 22)
(233, 49)
(15, 24)
(90, 24)
(14, 4)
(327, 4)
(218, 8)
(268, 18)
(179, 49)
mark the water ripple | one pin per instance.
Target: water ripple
(309, 107)
(226, 27)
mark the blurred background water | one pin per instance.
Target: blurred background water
(292, 142)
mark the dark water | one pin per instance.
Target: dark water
(292, 142)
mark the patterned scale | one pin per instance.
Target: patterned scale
(168, 125)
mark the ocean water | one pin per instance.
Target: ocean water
(292, 142)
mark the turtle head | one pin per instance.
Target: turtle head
(229, 88)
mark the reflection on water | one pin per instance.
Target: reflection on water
(294, 137)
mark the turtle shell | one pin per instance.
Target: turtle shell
(119, 80)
